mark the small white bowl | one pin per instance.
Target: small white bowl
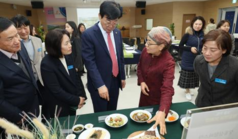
(78, 128)
(88, 126)
(71, 136)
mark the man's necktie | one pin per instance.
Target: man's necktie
(113, 56)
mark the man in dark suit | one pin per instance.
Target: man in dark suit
(18, 89)
(217, 71)
(103, 54)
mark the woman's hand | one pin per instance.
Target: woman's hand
(144, 88)
(82, 102)
(194, 50)
(159, 119)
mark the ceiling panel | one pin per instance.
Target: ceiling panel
(89, 3)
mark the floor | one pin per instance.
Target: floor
(129, 97)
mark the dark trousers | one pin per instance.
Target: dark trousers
(100, 104)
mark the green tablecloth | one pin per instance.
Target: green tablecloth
(174, 130)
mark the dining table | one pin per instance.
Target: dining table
(174, 129)
(131, 57)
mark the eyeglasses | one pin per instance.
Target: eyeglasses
(111, 22)
(147, 43)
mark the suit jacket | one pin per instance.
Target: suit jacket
(18, 92)
(97, 57)
(212, 91)
(77, 53)
(39, 54)
(62, 89)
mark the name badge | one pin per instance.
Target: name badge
(217, 80)
(39, 49)
(70, 67)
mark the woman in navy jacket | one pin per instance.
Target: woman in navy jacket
(190, 46)
(59, 75)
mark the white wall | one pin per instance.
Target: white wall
(71, 14)
(88, 16)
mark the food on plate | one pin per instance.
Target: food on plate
(140, 116)
(186, 123)
(78, 128)
(171, 118)
(116, 121)
(96, 134)
(151, 133)
(148, 137)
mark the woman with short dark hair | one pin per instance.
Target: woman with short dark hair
(217, 71)
(59, 75)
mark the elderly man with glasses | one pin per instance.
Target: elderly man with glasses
(103, 54)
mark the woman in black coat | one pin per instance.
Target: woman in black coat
(71, 27)
(59, 76)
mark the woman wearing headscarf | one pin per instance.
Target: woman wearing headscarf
(190, 46)
(156, 74)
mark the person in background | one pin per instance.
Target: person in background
(76, 43)
(156, 74)
(217, 71)
(33, 32)
(59, 75)
(33, 46)
(191, 46)
(81, 29)
(18, 89)
(103, 55)
(210, 26)
(225, 25)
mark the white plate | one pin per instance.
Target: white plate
(86, 133)
(71, 136)
(174, 114)
(140, 111)
(124, 118)
(183, 120)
